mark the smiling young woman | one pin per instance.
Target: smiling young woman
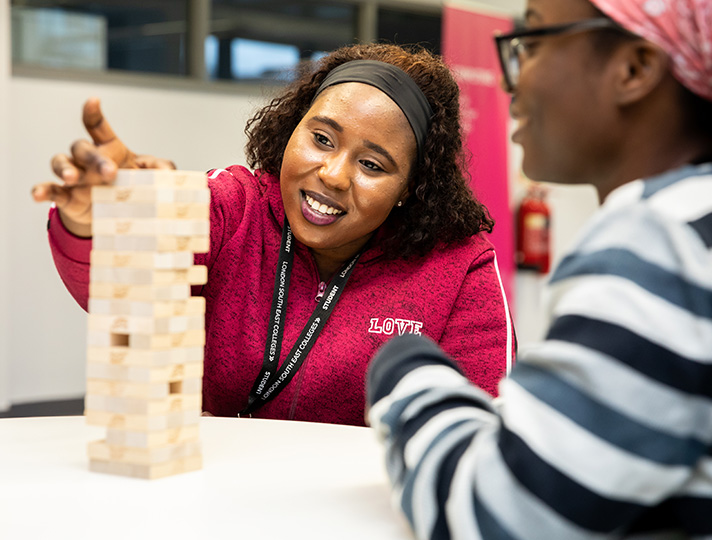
(344, 169)
(356, 194)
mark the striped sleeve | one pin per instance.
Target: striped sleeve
(604, 430)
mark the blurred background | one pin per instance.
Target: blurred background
(179, 79)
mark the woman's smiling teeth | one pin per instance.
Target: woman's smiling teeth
(322, 208)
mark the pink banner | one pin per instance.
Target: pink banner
(468, 48)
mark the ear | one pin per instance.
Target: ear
(641, 67)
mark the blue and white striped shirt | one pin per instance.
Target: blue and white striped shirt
(604, 430)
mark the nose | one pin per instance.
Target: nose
(335, 171)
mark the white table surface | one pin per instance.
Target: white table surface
(263, 479)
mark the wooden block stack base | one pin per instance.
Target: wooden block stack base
(145, 331)
(148, 472)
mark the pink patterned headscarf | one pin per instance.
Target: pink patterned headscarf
(683, 28)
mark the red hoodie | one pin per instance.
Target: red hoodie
(453, 295)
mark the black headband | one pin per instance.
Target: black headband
(392, 81)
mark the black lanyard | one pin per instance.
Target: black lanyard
(271, 380)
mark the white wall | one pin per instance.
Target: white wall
(4, 202)
(45, 329)
(571, 207)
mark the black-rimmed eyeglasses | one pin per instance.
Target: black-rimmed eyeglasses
(514, 46)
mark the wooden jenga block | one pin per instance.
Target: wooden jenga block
(102, 451)
(191, 338)
(140, 374)
(190, 306)
(142, 422)
(139, 293)
(193, 275)
(148, 472)
(125, 356)
(149, 210)
(151, 439)
(145, 325)
(148, 194)
(142, 259)
(162, 178)
(125, 405)
(196, 244)
(150, 227)
(147, 391)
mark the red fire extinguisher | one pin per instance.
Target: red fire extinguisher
(533, 240)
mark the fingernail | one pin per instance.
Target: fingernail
(106, 169)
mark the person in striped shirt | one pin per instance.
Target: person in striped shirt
(604, 429)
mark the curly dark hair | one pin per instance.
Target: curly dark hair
(441, 206)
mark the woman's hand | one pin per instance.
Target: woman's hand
(91, 163)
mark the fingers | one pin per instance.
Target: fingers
(91, 164)
(89, 157)
(106, 140)
(152, 162)
(87, 165)
(73, 203)
(95, 123)
(51, 192)
(65, 169)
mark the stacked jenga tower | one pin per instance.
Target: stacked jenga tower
(146, 332)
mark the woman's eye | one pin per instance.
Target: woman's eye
(370, 165)
(322, 139)
(527, 47)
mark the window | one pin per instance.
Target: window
(133, 35)
(248, 59)
(254, 41)
(405, 27)
(266, 39)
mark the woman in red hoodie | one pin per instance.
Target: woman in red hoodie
(358, 166)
